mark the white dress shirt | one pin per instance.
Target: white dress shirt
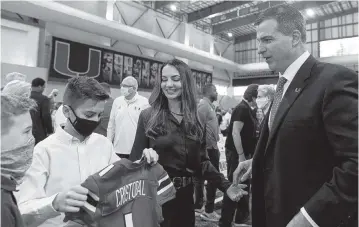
(291, 71)
(289, 74)
(60, 162)
(59, 117)
(123, 121)
(225, 121)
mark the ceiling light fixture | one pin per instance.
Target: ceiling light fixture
(173, 7)
(310, 12)
(230, 34)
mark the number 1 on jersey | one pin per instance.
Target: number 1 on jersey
(128, 220)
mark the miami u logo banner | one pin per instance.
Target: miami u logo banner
(71, 59)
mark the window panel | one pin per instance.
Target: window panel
(327, 23)
(349, 30)
(356, 29)
(253, 43)
(321, 24)
(343, 20)
(315, 35)
(355, 17)
(315, 49)
(328, 33)
(349, 18)
(322, 34)
(314, 25)
(343, 32)
(335, 21)
(309, 37)
(309, 47)
(335, 32)
(308, 26)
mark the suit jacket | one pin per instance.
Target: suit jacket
(309, 157)
(41, 117)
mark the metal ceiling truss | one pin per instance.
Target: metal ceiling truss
(162, 4)
(237, 21)
(125, 22)
(163, 34)
(326, 17)
(251, 34)
(214, 9)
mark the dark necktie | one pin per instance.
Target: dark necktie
(277, 99)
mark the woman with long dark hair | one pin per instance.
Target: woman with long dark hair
(171, 127)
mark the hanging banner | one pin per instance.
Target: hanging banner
(70, 59)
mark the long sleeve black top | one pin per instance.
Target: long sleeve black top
(179, 153)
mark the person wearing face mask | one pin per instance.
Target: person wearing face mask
(17, 143)
(124, 115)
(67, 158)
(264, 99)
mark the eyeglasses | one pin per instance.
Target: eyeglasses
(126, 86)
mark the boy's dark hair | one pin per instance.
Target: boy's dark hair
(82, 88)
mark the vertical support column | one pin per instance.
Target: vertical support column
(211, 45)
(187, 32)
(109, 9)
(230, 89)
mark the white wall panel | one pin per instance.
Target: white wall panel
(97, 8)
(19, 43)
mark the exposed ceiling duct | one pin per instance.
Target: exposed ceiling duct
(51, 11)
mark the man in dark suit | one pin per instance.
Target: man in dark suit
(41, 116)
(304, 170)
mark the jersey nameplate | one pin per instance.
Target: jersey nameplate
(125, 194)
(129, 192)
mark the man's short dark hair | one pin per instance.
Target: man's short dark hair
(288, 18)
(251, 92)
(79, 89)
(207, 88)
(106, 86)
(37, 82)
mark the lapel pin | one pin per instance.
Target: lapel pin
(297, 90)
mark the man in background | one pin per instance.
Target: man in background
(41, 116)
(240, 145)
(124, 116)
(208, 118)
(105, 117)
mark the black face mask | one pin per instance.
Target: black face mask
(83, 126)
